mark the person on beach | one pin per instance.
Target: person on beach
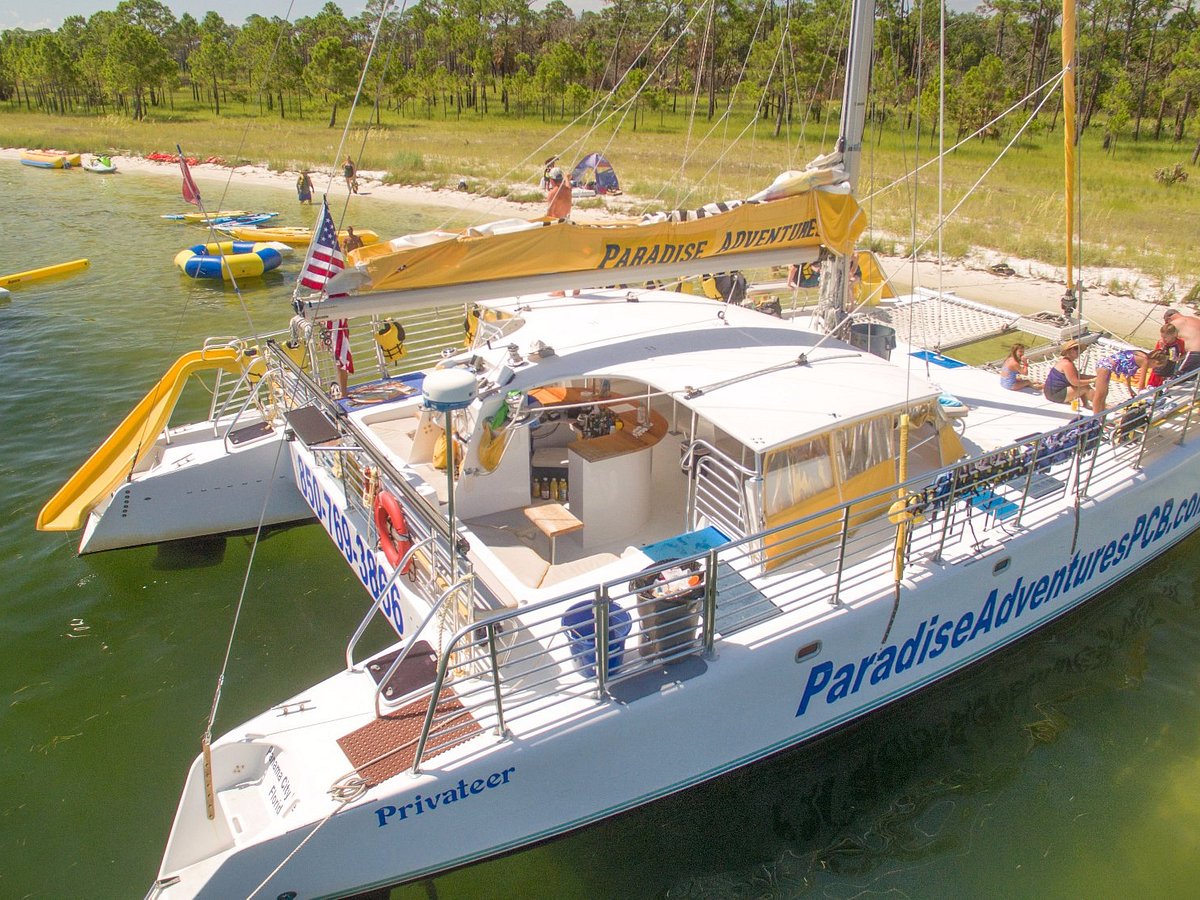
(1014, 371)
(1064, 384)
(558, 195)
(1188, 328)
(1168, 340)
(353, 241)
(350, 173)
(304, 188)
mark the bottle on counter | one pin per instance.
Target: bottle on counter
(536, 489)
(545, 488)
(563, 493)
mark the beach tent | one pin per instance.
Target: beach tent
(594, 171)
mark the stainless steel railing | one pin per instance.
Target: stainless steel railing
(523, 661)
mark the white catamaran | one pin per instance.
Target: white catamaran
(772, 532)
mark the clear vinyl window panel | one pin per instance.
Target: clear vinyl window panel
(864, 445)
(794, 475)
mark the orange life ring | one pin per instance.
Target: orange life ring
(389, 518)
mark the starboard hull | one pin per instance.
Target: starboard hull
(487, 796)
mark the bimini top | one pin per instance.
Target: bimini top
(738, 368)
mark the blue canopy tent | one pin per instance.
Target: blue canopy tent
(594, 171)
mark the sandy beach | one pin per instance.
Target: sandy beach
(1033, 286)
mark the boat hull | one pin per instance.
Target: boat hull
(663, 733)
(196, 487)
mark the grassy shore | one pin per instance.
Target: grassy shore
(1128, 219)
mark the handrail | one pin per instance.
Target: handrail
(408, 643)
(362, 626)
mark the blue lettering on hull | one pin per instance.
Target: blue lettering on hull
(362, 558)
(831, 683)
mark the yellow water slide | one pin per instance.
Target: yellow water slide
(134, 438)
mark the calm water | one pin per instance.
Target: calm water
(1066, 767)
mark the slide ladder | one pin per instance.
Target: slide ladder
(116, 458)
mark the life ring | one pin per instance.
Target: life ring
(231, 259)
(389, 517)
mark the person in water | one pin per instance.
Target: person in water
(1064, 384)
(304, 188)
(353, 241)
(1014, 371)
(350, 173)
(1130, 365)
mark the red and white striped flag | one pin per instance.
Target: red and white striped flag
(325, 257)
(191, 193)
(341, 345)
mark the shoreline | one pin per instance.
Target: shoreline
(1033, 286)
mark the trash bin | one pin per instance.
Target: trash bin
(878, 340)
(580, 624)
(670, 602)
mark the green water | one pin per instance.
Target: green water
(1065, 767)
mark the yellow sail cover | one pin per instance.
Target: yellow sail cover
(806, 220)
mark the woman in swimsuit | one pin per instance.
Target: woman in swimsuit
(1064, 384)
(1014, 369)
(1128, 365)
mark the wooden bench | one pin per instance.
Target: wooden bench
(552, 519)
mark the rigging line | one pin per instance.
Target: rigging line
(387, 63)
(237, 614)
(342, 805)
(362, 78)
(645, 85)
(699, 76)
(729, 146)
(246, 131)
(591, 110)
(971, 190)
(758, 29)
(1049, 83)
(941, 194)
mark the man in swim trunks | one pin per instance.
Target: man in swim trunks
(1064, 384)
(1189, 332)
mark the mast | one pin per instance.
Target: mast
(835, 272)
(1070, 298)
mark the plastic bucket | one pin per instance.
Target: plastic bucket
(580, 625)
(878, 340)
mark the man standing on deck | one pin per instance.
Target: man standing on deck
(1189, 332)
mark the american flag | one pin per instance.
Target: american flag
(341, 345)
(191, 193)
(325, 258)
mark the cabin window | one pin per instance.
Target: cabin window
(864, 445)
(794, 475)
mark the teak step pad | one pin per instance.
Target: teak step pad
(388, 746)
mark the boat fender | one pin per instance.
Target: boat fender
(907, 509)
(390, 338)
(394, 539)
